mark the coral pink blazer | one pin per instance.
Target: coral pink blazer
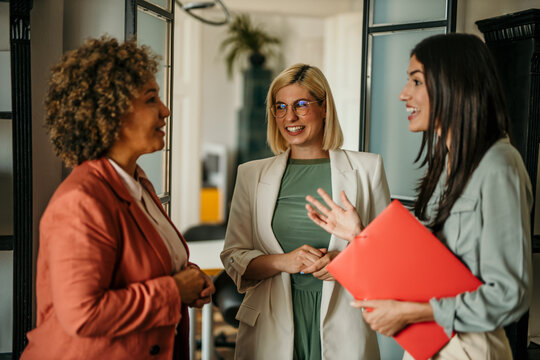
(103, 287)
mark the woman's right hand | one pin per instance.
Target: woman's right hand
(300, 258)
(190, 283)
(342, 222)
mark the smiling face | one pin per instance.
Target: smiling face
(416, 97)
(141, 131)
(304, 133)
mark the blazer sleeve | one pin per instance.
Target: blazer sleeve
(239, 248)
(503, 238)
(82, 251)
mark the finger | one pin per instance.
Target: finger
(356, 304)
(317, 218)
(345, 200)
(328, 200)
(208, 291)
(322, 209)
(311, 250)
(323, 250)
(320, 274)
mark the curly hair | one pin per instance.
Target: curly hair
(89, 90)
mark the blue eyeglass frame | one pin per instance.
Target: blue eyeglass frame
(294, 106)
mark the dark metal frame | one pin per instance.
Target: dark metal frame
(130, 30)
(22, 171)
(370, 29)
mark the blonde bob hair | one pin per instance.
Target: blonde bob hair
(312, 79)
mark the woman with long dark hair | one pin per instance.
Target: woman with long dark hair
(476, 198)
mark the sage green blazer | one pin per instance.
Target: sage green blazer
(489, 231)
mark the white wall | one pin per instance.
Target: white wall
(342, 67)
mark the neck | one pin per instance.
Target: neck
(129, 164)
(306, 154)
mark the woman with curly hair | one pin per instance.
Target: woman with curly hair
(113, 276)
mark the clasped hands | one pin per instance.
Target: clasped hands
(309, 260)
(195, 287)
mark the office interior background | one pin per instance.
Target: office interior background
(206, 103)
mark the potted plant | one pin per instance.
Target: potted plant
(246, 39)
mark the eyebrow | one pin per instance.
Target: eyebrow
(415, 71)
(150, 90)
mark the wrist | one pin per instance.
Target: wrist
(415, 312)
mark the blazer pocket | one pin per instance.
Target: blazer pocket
(463, 204)
(247, 315)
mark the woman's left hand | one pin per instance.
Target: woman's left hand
(206, 294)
(318, 268)
(388, 317)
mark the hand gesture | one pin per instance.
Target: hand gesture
(318, 268)
(342, 222)
(190, 282)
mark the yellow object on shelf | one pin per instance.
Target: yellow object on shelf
(210, 205)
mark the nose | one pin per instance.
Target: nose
(404, 94)
(164, 111)
(290, 115)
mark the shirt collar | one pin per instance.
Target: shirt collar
(133, 186)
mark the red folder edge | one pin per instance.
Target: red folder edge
(396, 257)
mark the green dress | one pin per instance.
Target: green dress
(292, 229)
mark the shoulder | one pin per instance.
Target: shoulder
(85, 189)
(258, 166)
(501, 157)
(357, 160)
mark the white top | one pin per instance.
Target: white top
(162, 225)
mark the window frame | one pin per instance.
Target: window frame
(371, 30)
(130, 31)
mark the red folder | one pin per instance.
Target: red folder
(396, 257)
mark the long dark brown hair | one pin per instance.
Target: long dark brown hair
(466, 101)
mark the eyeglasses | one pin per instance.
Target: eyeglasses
(300, 108)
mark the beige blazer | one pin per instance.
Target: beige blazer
(266, 322)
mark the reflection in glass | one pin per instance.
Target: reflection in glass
(5, 84)
(164, 4)
(6, 178)
(399, 11)
(389, 135)
(6, 302)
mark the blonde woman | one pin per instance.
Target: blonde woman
(293, 308)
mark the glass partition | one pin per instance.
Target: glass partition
(388, 127)
(164, 4)
(410, 11)
(155, 32)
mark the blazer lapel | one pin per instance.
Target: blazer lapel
(148, 231)
(343, 179)
(266, 198)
